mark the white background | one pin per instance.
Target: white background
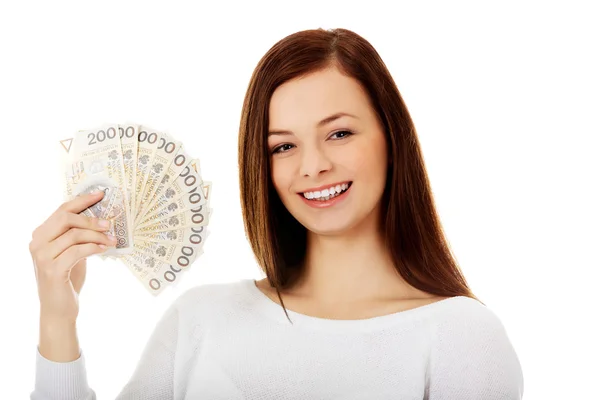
(505, 98)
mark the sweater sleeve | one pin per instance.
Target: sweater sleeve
(152, 379)
(472, 357)
(58, 380)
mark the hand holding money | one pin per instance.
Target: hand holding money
(59, 248)
(154, 197)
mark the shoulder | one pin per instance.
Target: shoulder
(209, 294)
(465, 322)
(461, 312)
(209, 300)
(471, 352)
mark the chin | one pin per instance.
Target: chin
(328, 226)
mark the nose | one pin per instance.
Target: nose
(314, 162)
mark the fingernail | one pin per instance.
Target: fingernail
(102, 246)
(111, 238)
(103, 223)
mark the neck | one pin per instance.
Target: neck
(351, 267)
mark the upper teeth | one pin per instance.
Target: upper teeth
(326, 192)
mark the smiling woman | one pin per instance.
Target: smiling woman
(338, 210)
(346, 148)
(333, 184)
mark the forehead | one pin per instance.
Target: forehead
(306, 100)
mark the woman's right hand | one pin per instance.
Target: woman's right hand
(59, 248)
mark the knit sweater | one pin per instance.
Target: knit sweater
(230, 341)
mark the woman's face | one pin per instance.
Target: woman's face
(329, 172)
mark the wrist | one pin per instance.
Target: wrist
(57, 323)
(58, 340)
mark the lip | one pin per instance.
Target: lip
(323, 187)
(326, 203)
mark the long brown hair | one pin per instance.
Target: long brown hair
(412, 229)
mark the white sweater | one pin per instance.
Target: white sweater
(230, 341)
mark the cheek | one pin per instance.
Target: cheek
(280, 175)
(371, 159)
(360, 160)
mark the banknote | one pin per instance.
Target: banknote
(165, 153)
(144, 272)
(189, 235)
(128, 133)
(155, 199)
(148, 140)
(153, 273)
(97, 162)
(190, 200)
(172, 186)
(182, 255)
(195, 217)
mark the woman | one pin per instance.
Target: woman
(362, 298)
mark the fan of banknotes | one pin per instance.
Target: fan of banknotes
(154, 197)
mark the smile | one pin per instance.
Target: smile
(328, 193)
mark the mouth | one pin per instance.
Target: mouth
(327, 193)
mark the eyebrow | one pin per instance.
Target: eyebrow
(321, 123)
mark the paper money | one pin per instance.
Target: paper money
(192, 197)
(155, 275)
(191, 200)
(148, 140)
(173, 185)
(97, 162)
(165, 153)
(195, 217)
(128, 133)
(155, 199)
(190, 235)
(182, 255)
(154, 272)
(144, 271)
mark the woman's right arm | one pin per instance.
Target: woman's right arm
(59, 248)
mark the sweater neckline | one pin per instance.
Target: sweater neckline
(274, 311)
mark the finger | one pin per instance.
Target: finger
(80, 203)
(66, 260)
(77, 236)
(60, 223)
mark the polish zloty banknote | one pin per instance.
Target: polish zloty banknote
(148, 140)
(154, 197)
(128, 133)
(144, 272)
(189, 235)
(97, 161)
(154, 273)
(182, 255)
(163, 275)
(186, 192)
(172, 186)
(195, 217)
(190, 200)
(166, 275)
(165, 153)
(70, 178)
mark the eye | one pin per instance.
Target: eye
(340, 134)
(282, 148)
